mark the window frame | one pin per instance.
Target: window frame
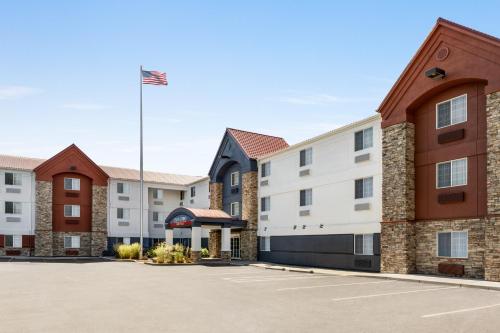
(451, 111)
(73, 182)
(451, 172)
(125, 188)
(235, 181)
(157, 216)
(232, 205)
(451, 243)
(266, 206)
(156, 194)
(192, 191)
(15, 176)
(306, 150)
(306, 190)
(72, 211)
(125, 217)
(17, 208)
(364, 179)
(15, 240)
(72, 238)
(370, 252)
(364, 146)
(265, 244)
(265, 169)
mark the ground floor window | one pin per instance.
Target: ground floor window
(126, 240)
(235, 247)
(363, 244)
(13, 241)
(265, 243)
(452, 244)
(71, 242)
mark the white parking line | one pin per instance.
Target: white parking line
(279, 279)
(256, 276)
(460, 311)
(231, 273)
(335, 285)
(389, 294)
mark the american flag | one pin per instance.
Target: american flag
(154, 77)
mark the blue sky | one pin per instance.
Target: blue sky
(69, 71)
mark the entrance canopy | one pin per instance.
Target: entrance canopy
(183, 217)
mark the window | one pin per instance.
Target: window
(265, 169)
(235, 178)
(306, 156)
(363, 139)
(452, 244)
(122, 213)
(265, 243)
(157, 193)
(363, 244)
(13, 241)
(156, 216)
(265, 204)
(182, 194)
(71, 211)
(12, 178)
(126, 240)
(363, 188)
(305, 197)
(13, 207)
(122, 188)
(72, 184)
(451, 173)
(193, 191)
(451, 112)
(235, 208)
(71, 242)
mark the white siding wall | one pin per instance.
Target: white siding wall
(202, 198)
(332, 175)
(26, 197)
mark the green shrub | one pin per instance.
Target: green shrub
(135, 250)
(204, 252)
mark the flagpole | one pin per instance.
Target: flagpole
(141, 173)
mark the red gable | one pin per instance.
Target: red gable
(256, 145)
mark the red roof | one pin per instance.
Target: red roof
(255, 145)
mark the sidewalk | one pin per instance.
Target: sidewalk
(469, 283)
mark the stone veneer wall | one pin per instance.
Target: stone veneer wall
(216, 195)
(249, 211)
(398, 199)
(214, 238)
(492, 230)
(99, 220)
(43, 218)
(85, 241)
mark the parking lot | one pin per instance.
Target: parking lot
(132, 297)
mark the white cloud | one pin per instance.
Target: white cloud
(85, 106)
(15, 92)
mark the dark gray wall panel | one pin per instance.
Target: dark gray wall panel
(314, 243)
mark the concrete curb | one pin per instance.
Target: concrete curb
(478, 284)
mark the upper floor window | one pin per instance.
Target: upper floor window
(12, 178)
(235, 208)
(451, 173)
(156, 216)
(72, 184)
(452, 244)
(157, 193)
(363, 244)
(122, 213)
(306, 156)
(193, 191)
(235, 178)
(306, 197)
(71, 242)
(451, 112)
(363, 139)
(13, 207)
(182, 194)
(265, 204)
(363, 188)
(265, 169)
(71, 211)
(13, 241)
(122, 188)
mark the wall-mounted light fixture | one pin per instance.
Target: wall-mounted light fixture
(435, 73)
(321, 226)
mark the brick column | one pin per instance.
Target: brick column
(248, 236)
(492, 230)
(216, 195)
(214, 238)
(43, 218)
(99, 233)
(398, 199)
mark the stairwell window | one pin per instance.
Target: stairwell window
(12, 178)
(451, 112)
(363, 139)
(363, 244)
(71, 211)
(451, 173)
(265, 204)
(72, 184)
(363, 188)
(235, 208)
(452, 244)
(235, 178)
(305, 198)
(305, 157)
(71, 242)
(15, 241)
(13, 207)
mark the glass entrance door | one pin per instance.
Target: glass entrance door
(235, 246)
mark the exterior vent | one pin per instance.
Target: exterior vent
(305, 172)
(362, 206)
(12, 219)
(123, 198)
(264, 183)
(264, 217)
(362, 158)
(451, 197)
(158, 225)
(123, 223)
(451, 269)
(158, 203)
(72, 195)
(363, 263)
(12, 190)
(451, 136)
(305, 212)
(72, 221)
(12, 252)
(235, 190)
